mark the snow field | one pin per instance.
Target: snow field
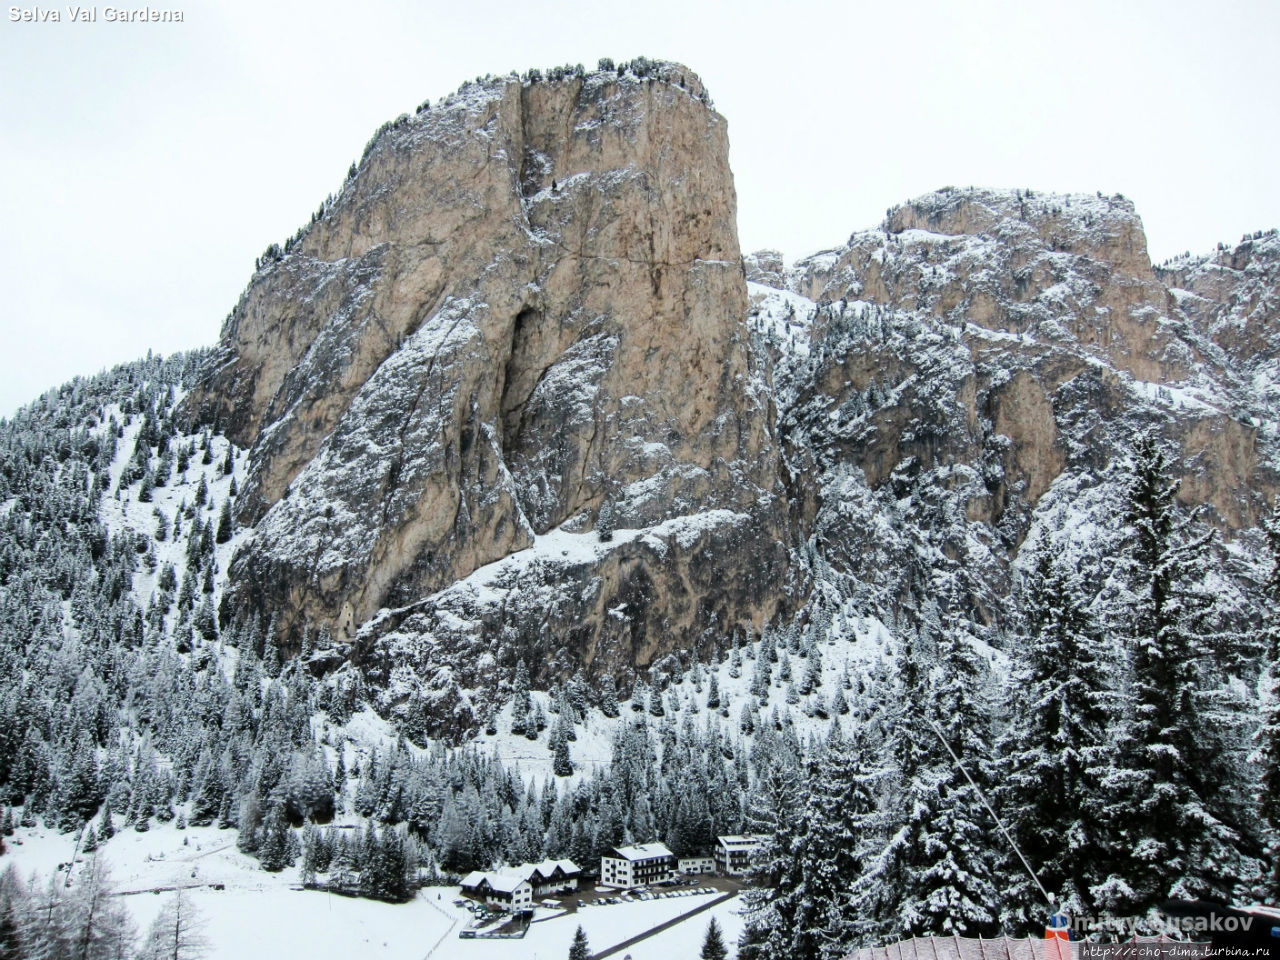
(259, 914)
(128, 513)
(255, 914)
(606, 926)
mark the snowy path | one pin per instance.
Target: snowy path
(662, 927)
(453, 923)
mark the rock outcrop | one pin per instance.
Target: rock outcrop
(515, 394)
(947, 372)
(524, 308)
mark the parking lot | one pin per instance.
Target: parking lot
(488, 919)
(627, 896)
(589, 894)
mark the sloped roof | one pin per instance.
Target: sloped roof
(643, 851)
(505, 882)
(547, 867)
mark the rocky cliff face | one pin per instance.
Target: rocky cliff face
(515, 394)
(524, 308)
(970, 374)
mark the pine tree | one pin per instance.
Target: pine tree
(108, 829)
(839, 706)
(812, 677)
(521, 702)
(47, 930)
(713, 947)
(1268, 736)
(609, 697)
(775, 805)
(384, 867)
(605, 521)
(95, 924)
(761, 678)
(656, 709)
(1167, 783)
(13, 914)
(561, 765)
(1050, 756)
(934, 874)
(273, 853)
(224, 523)
(537, 722)
(639, 695)
(579, 950)
(811, 915)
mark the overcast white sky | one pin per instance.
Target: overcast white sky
(144, 166)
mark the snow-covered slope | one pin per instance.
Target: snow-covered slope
(983, 360)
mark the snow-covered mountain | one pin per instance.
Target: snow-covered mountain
(524, 321)
(969, 375)
(524, 307)
(518, 513)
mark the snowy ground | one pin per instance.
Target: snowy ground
(606, 926)
(250, 913)
(126, 512)
(685, 940)
(257, 914)
(854, 646)
(246, 925)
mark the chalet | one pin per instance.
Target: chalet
(551, 876)
(637, 866)
(734, 853)
(696, 865)
(501, 890)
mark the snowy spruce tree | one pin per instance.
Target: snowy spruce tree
(521, 702)
(14, 904)
(1166, 788)
(774, 807)
(1059, 698)
(935, 872)
(815, 916)
(1267, 738)
(713, 946)
(562, 764)
(608, 697)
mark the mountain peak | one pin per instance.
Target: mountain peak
(524, 307)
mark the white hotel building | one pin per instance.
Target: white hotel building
(637, 866)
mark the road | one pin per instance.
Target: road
(626, 944)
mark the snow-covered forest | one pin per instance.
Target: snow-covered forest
(1125, 727)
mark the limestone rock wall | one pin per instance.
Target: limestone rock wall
(516, 394)
(527, 302)
(982, 349)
